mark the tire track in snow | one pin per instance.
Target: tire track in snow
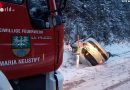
(105, 74)
(71, 85)
(117, 85)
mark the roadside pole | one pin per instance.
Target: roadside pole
(78, 52)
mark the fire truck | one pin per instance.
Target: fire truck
(31, 44)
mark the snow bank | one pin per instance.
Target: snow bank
(114, 74)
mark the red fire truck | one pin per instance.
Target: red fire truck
(31, 44)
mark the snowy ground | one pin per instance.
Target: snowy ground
(113, 75)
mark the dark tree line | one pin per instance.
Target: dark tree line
(107, 20)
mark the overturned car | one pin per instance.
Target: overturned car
(92, 51)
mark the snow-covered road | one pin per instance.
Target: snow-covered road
(113, 75)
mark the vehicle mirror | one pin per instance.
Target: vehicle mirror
(55, 20)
